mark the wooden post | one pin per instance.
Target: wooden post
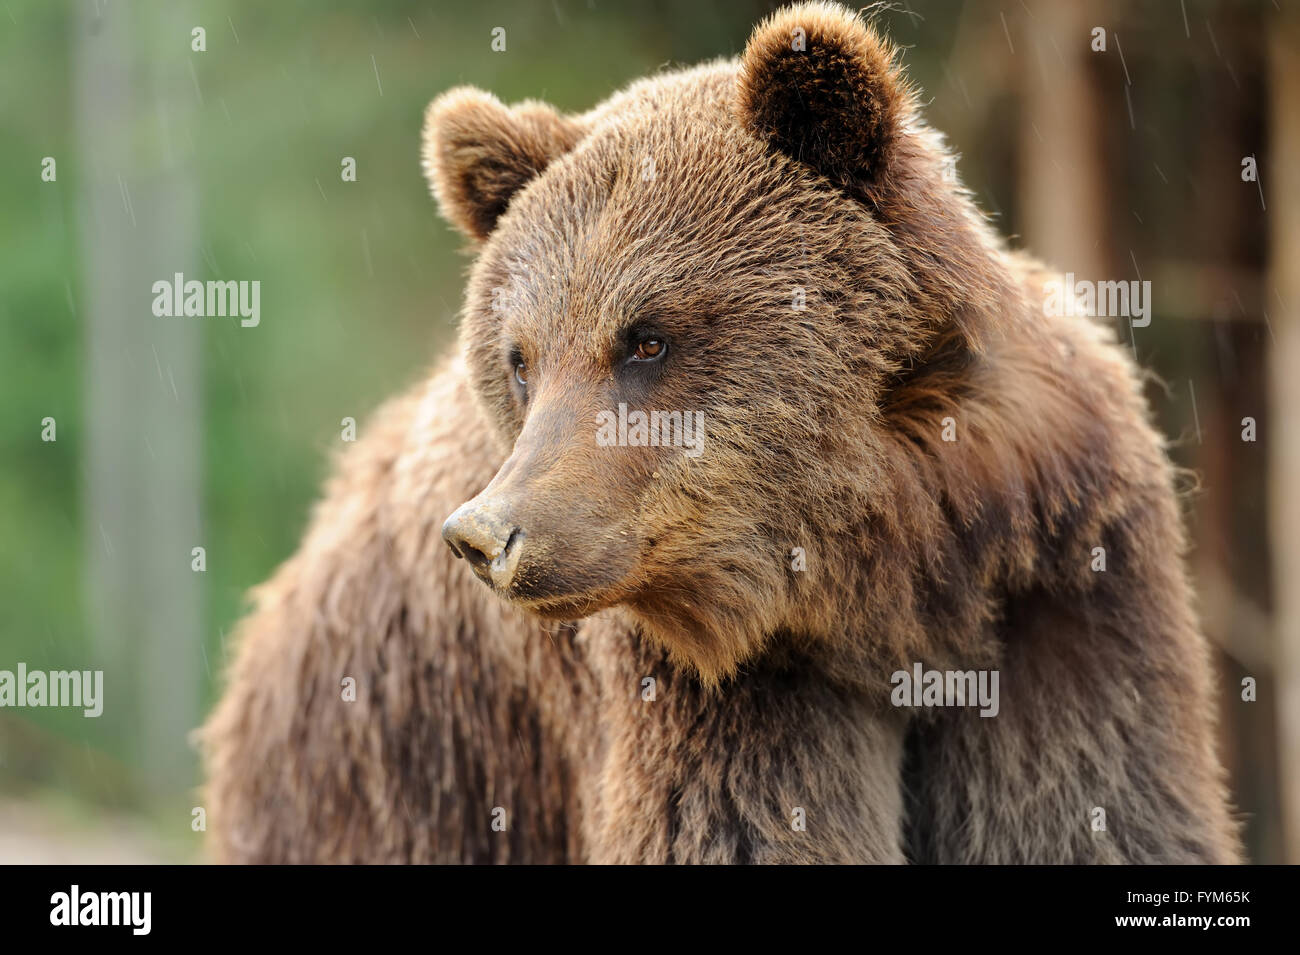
(1280, 179)
(1062, 191)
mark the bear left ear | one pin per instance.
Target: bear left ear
(479, 152)
(820, 85)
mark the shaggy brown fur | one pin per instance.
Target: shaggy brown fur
(686, 210)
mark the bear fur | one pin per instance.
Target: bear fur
(656, 680)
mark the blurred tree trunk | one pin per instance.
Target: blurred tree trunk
(1062, 189)
(1281, 181)
(1228, 368)
(137, 215)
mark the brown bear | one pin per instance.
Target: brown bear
(690, 646)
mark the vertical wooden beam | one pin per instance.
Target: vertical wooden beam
(1062, 190)
(1280, 178)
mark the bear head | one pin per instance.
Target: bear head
(689, 310)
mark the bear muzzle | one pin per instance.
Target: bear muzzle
(550, 533)
(490, 544)
(523, 560)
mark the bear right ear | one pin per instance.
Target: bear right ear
(478, 153)
(818, 84)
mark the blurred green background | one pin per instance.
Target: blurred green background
(225, 164)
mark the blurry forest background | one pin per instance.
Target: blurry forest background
(1119, 164)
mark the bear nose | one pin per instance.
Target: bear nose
(490, 543)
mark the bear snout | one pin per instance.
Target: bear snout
(486, 540)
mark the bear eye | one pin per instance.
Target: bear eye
(518, 367)
(649, 350)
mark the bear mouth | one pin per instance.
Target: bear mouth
(563, 599)
(562, 606)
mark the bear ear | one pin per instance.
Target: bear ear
(820, 85)
(477, 153)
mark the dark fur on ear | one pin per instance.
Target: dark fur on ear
(479, 152)
(817, 83)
